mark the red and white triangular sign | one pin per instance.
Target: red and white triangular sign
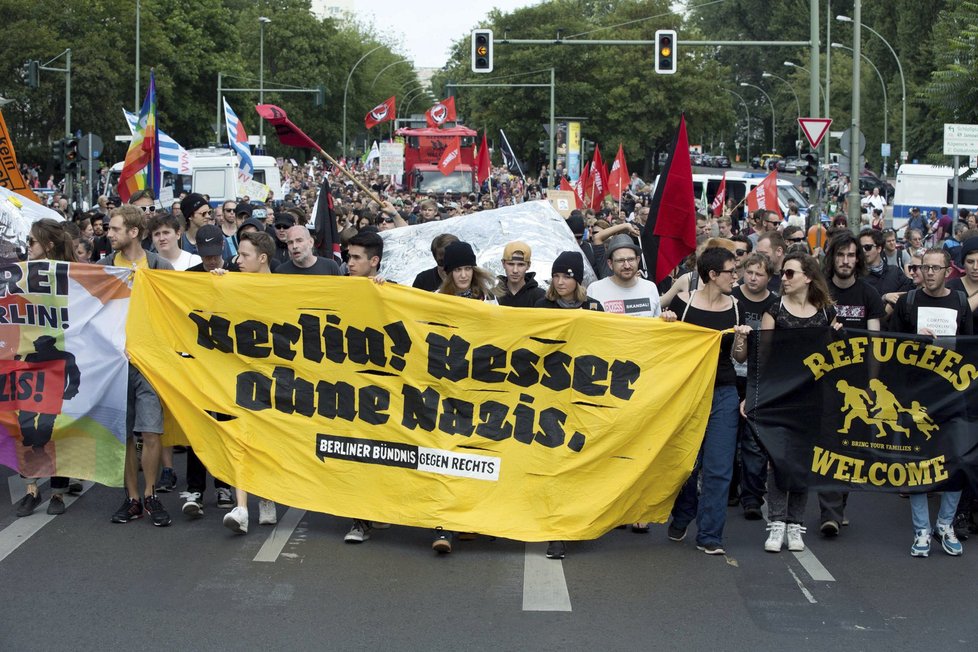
(815, 129)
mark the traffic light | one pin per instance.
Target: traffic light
(33, 74)
(58, 155)
(482, 50)
(665, 51)
(810, 171)
(71, 154)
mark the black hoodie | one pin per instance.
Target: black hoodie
(527, 296)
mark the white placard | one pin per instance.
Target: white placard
(253, 190)
(391, 158)
(942, 322)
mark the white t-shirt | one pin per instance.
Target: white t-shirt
(184, 261)
(639, 300)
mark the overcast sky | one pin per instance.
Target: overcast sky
(426, 30)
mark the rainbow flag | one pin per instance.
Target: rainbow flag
(142, 165)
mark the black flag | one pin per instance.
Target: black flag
(327, 237)
(509, 158)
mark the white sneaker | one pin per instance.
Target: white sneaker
(795, 544)
(775, 537)
(192, 505)
(359, 533)
(266, 512)
(237, 520)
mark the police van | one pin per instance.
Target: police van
(213, 172)
(705, 187)
(930, 188)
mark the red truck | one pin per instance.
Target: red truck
(422, 151)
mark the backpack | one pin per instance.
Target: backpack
(912, 298)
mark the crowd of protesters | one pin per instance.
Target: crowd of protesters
(750, 271)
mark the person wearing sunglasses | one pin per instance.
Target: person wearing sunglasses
(711, 306)
(890, 281)
(948, 314)
(805, 303)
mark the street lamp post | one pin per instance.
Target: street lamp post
(903, 81)
(262, 20)
(747, 109)
(346, 90)
(382, 70)
(886, 106)
(797, 104)
(774, 139)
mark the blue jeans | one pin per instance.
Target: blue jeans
(920, 513)
(715, 461)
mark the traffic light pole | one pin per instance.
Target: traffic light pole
(553, 129)
(221, 90)
(67, 71)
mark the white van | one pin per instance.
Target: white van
(705, 187)
(930, 187)
(213, 172)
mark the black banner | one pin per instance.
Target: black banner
(865, 411)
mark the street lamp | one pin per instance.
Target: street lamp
(390, 65)
(797, 104)
(346, 90)
(262, 20)
(886, 110)
(821, 91)
(761, 90)
(747, 109)
(903, 81)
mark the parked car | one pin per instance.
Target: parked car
(868, 182)
(755, 162)
(792, 165)
(722, 162)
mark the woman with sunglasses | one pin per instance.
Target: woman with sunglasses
(47, 240)
(805, 303)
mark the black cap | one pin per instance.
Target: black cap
(576, 224)
(252, 221)
(243, 207)
(458, 254)
(969, 246)
(210, 240)
(570, 263)
(190, 204)
(285, 219)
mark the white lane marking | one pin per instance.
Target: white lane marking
(18, 487)
(808, 560)
(808, 594)
(544, 587)
(815, 569)
(22, 529)
(272, 548)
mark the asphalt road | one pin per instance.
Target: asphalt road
(79, 582)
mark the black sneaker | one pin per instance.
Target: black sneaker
(75, 487)
(556, 550)
(56, 505)
(829, 528)
(676, 533)
(753, 513)
(711, 548)
(28, 504)
(168, 481)
(130, 510)
(961, 525)
(156, 511)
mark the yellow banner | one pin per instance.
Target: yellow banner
(390, 404)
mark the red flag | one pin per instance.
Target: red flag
(451, 157)
(670, 231)
(618, 179)
(599, 179)
(441, 113)
(383, 112)
(565, 185)
(288, 133)
(765, 194)
(581, 190)
(483, 165)
(717, 206)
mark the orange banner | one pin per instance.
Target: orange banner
(10, 176)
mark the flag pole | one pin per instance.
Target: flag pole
(349, 175)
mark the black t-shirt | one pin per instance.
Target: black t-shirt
(774, 283)
(958, 284)
(753, 310)
(906, 319)
(856, 305)
(718, 321)
(428, 280)
(322, 267)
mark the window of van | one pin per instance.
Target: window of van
(967, 192)
(259, 176)
(210, 182)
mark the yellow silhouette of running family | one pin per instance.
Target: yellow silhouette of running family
(883, 409)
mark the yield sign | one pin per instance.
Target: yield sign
(815, 129)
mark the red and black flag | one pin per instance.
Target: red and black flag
(670, 231)
(327, 237)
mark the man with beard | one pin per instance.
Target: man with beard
(858, 305)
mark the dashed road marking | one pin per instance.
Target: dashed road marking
(275, 543)
(22, 529)
(544, 586)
